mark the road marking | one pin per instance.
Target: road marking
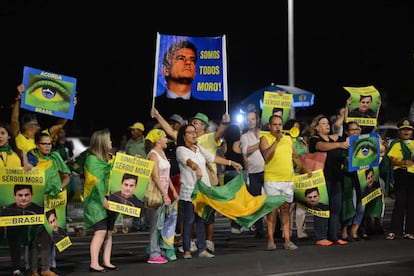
(331, 268)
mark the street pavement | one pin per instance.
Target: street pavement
(242, 254)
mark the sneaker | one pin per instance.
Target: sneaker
(235, 230)
(206, 254)
(210, 245)
(172, 258)
(17, 272)
(193, 247)
(290, 246)
(157, 260)
(271, 246)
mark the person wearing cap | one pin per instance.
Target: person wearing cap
(400, 153)
(136, 146)
(176, 121)
(210, 141)
(156, 143)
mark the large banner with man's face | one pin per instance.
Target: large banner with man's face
(191, 70)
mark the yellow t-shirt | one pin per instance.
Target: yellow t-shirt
(9, 161)
(280, 167)
(210, 144)
(396, 152)
(27, 144)
(24, 144)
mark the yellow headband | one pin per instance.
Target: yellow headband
(154, 135)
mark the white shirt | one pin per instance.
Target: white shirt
(255, 161)
(188, 177)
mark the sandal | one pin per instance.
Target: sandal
(390, 236)
(408, 236)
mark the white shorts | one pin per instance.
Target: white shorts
(279, 188)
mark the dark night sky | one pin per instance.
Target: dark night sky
(110, 49)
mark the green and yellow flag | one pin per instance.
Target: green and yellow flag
(96, 188)
(233, 201)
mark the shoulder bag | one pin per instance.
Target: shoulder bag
(153, 196)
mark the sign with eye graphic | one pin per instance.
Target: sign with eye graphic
(364, 151)
(48, 93)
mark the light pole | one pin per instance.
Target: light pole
(291, 54)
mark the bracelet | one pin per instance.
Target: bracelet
(229, 162)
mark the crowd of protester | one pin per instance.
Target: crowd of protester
(269, 162)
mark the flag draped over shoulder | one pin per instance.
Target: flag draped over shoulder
(53, 164)
(233, 201)
(96, 188)
(386, 167)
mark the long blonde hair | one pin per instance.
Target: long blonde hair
(314, 124)
(99, 144)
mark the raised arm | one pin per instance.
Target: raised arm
(15, 124)
(164, 124)
(225, 120)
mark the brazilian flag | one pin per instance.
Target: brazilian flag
(166, 223)
(53, 164)
(233, 201)
(96, 187)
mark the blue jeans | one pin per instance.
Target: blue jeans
(329, 228)
(188, 218)
(359, 213)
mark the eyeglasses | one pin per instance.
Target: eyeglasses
(45, 144)
(353, 129)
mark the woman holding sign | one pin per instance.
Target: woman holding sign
(57, 177)
(327, 230)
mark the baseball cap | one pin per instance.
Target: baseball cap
(137, 125)
(177, 118)
(405, 123)
(202, 117)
